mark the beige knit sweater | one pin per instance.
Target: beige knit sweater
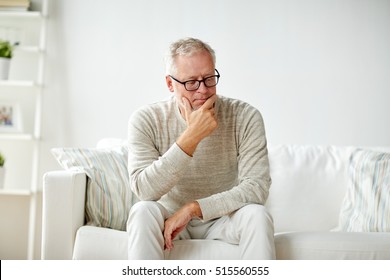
(228, 170)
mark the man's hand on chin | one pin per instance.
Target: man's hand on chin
(176, 223)
(200, 124)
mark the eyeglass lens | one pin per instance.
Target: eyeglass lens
(208, 82)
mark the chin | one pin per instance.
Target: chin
(199, 103)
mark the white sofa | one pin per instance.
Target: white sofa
(307, 192)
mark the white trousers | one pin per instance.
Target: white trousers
(250, 227)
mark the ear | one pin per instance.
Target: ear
(169, 82)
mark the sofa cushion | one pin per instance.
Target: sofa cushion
(93, 243)
(366, 206)
(108, 197)
(332, 246)
(308, 186)
(96, 243)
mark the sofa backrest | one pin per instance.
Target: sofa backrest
(308, 186)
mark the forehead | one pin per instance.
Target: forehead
(194, 65)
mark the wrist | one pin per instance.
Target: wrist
(187, 143)
(195, 210)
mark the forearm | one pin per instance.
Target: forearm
(150, 179)
(221, 204)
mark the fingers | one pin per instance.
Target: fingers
(169, 236)
(209, 104)
(186, 107)
(168, 240)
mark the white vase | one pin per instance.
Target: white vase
(4, 68)
(2, 177)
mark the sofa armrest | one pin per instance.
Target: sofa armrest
(62, 212)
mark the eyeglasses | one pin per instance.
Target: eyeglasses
(192, 85)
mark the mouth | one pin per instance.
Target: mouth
(201, 99)
(196, 103)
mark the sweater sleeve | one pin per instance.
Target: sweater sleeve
(253, 170)
(151, 175)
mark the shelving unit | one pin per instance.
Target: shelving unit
(24, 88)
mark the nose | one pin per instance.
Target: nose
(202, 88)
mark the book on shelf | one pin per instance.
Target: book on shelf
(14, 5)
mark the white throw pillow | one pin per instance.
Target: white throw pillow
(366, 207)
(108, 197)
(308, 186)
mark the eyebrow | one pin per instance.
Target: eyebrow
(192, 78)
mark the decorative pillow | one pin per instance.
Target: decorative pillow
(366, 206)
(108, 197)
(308, 182)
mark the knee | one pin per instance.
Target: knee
(256, 212)
(145, 212)
(144, 206)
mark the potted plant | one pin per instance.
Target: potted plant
(5, 57)
(2, 161)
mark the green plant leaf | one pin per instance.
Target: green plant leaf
(2, 160)
(5, 49)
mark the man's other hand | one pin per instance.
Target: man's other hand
(176, 223)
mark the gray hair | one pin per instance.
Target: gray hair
(185, 47)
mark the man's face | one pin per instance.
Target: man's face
(195, 67)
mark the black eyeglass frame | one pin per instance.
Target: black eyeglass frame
(199, 81)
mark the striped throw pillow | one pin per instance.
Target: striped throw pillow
(108, 197)
(366, 206)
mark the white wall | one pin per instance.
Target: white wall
(317, 69)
